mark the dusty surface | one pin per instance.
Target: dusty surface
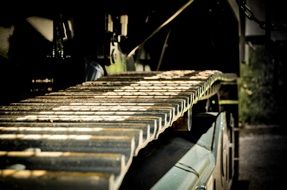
(263, 158)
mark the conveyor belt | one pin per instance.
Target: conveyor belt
(85, 136)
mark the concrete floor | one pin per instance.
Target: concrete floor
(263, 158)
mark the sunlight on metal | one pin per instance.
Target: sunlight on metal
(71, 118)
(23, 174)
(45, 136)
(97, 108)
(54, 129)
(60, 137)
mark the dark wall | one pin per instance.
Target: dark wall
(204, 37)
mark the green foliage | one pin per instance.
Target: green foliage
(256, 88)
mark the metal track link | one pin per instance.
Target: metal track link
(85, 137)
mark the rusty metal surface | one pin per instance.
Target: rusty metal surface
(87, 135)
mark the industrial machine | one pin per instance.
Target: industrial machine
(128, 95)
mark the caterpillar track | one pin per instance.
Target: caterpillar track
(86, 136)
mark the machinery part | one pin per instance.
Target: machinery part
(87, 135)
(204, 166)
